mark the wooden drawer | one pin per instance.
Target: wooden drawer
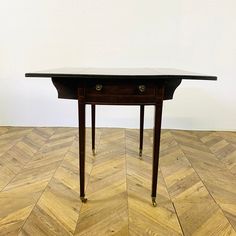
(131, 92)
(101, 88)
(114, 91)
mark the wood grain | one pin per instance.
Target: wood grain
(39, 183)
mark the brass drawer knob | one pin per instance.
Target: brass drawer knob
(142, 88)
(98, 87)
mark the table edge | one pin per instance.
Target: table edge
(100, 76)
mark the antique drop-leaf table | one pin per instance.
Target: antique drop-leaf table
(118, 86)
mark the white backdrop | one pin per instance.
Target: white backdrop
(198, 36)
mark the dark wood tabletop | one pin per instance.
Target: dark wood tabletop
(132, 73)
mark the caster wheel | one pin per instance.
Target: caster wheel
(94, 152)
(83, 199)
(154, 203)
(140, 154)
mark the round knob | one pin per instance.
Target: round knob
(142, 88)
(98, 87)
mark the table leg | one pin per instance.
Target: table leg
(93, 127)
(82, 148)
(156, 149)
(141, 131)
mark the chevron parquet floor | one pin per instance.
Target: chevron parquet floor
(39, 187)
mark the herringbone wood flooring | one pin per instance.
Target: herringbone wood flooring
(39, 183)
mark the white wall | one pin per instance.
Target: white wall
(194, 35)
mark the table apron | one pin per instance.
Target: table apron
(122, 100)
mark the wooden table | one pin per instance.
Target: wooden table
(118, 86)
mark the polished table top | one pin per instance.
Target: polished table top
(135, 73)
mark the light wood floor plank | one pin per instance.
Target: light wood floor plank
(23, 151)
(57, 211)
(193, 202)
(29, 184)
(144, 219)
(105, 213)
(39, 183)
(217, 178)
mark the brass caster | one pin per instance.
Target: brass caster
(83, 199)
(154, 204)
(140, 154)
(93, 152)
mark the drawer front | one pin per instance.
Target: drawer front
(100, 88)
(122, 93)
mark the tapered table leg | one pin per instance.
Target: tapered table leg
(141, 131)
(81, 109)
(93, 127)
(156, 149)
